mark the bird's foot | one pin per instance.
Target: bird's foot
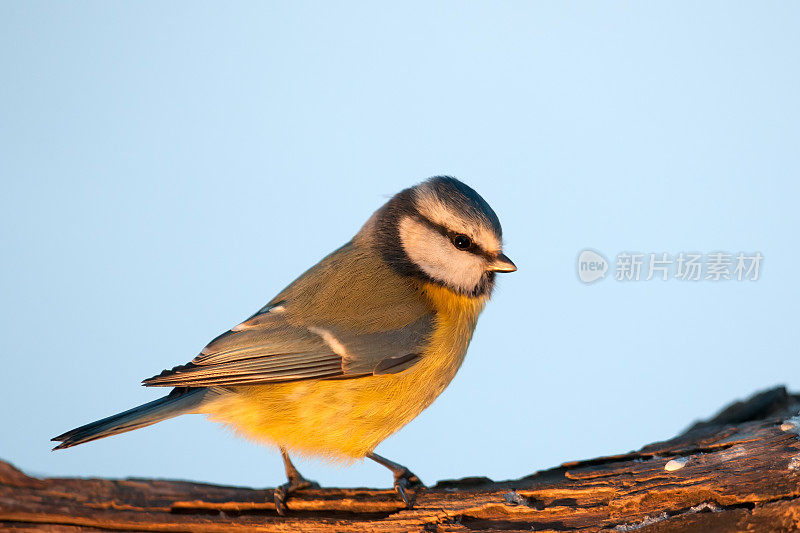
(283, 492)
(405, 480)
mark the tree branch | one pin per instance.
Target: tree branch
(739, 470)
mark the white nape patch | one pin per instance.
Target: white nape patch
(794, 463)
(431, 207)
(337, 347)
(437, 257)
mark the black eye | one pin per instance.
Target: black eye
(462, 242)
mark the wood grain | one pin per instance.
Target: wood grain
(739, 471)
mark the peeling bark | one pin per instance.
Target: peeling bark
(737, 471)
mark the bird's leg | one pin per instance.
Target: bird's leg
(296, 482)
(403, 477)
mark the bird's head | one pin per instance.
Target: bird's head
(444, 232)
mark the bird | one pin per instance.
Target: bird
(353, 349)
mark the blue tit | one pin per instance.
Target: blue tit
(353, 349)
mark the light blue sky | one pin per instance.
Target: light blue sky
(168, 167)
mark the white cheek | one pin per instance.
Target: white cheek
(437, 257)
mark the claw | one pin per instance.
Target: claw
(296, 482)
(404, 479)
(282, 493)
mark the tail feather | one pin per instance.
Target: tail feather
(178, 402)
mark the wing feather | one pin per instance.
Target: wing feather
(291, 338)
(272, 350)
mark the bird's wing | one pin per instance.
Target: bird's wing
(268, 348)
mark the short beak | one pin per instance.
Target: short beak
(502, 264)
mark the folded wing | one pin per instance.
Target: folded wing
(267, 349)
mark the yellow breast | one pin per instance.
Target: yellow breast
(344, 419)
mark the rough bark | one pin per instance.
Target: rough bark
(737, 471)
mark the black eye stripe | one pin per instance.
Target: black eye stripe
(475, 248)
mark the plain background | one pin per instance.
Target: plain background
(168, 167)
